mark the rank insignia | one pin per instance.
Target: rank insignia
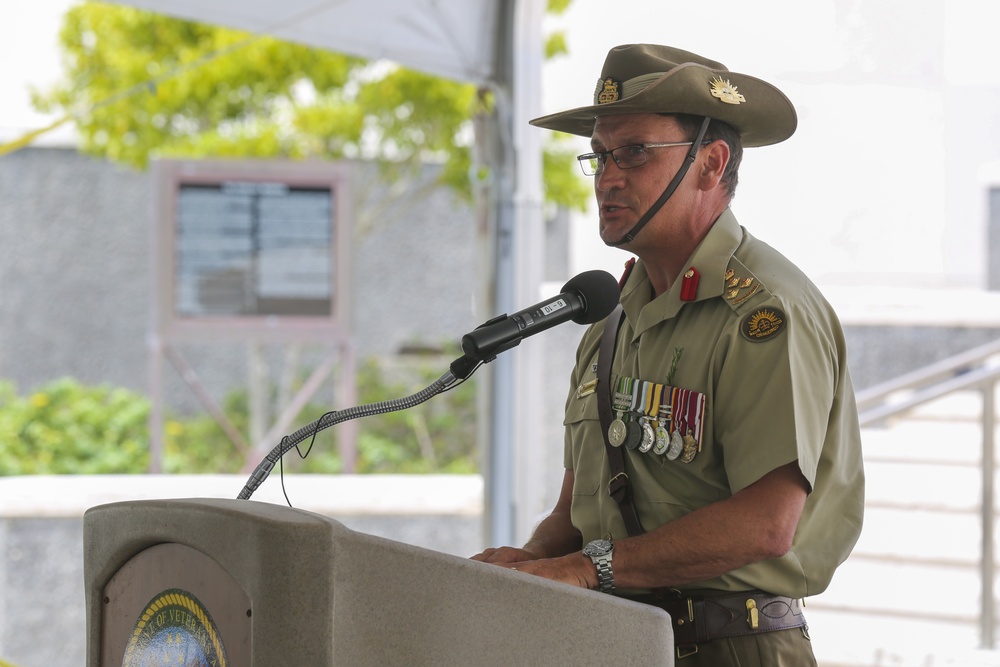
(739, 289)
(608, 91)
(726, 92)
(762, 324)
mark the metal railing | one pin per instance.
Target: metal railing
(975, 370)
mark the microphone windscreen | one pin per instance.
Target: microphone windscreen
(600, 293)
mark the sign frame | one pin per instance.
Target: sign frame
(169, 176)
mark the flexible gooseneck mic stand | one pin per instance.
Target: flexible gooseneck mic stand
(586, 298)
(459, 370)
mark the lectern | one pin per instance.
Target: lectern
(249, 584)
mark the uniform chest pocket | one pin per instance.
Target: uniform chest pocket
(585, 441)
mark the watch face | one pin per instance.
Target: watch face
(598, 548)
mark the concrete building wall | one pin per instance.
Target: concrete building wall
(76, 280)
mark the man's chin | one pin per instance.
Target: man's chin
(608, 233)
(612, 236)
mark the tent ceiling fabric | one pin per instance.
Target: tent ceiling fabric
(451, 38)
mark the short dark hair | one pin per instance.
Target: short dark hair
(717, 129)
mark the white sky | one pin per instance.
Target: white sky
(28, 56)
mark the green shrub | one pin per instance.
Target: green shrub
(197, 444)
(437, 436)
(65, 427)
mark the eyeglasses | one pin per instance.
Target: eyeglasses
(626, 157)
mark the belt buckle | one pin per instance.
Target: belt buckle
(690, 649)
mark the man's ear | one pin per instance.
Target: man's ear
(715, 157)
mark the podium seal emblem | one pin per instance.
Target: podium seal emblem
(175, 629)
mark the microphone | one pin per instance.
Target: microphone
(587, 298)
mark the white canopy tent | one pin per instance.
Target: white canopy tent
(458, 39)
(494, 43)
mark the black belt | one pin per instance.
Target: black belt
(703, 618)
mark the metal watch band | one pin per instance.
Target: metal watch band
(605, 578)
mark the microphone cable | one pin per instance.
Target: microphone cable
(263, 469)
(597, 291)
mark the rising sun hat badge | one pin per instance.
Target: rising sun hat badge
(726, 91)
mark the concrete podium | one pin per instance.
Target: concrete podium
(244, 583)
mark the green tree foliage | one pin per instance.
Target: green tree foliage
(142, 85)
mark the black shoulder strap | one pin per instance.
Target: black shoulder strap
(619, 486)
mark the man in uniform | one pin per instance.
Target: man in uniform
(723, 481)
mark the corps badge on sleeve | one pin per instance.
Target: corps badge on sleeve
(762, 324)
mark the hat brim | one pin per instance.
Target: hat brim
(765, 116)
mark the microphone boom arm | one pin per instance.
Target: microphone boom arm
(586, 299)
(264, 468)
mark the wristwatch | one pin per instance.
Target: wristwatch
(600, 552)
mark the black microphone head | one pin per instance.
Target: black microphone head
(600, 293)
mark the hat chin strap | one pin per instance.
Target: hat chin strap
(678, 177)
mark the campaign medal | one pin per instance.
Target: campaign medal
(673, 443)
(649, 395)
(686, 452)
(670, 446)
(633, 431)
(663, 418)
(692, 409)
(633, 435)
(690, 449)
(616, 433)
(662, 440)
(648, 436)
(675, 447)
(617, 430)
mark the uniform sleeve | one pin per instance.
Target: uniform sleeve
(774, 390)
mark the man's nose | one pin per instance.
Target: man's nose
(611, 176)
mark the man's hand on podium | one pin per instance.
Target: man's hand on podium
(503, 555)
(575, 569)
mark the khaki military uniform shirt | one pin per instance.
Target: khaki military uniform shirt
(768, 353)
